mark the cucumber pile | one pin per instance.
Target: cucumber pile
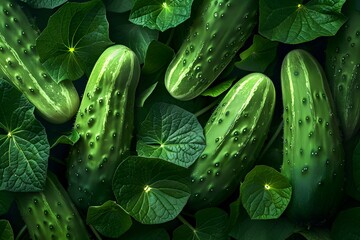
(216, 119)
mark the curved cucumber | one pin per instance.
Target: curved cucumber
(50, 214)
(20, 65)
(218, 32)
(234, 134)
(313, 154)
(343, 70)
(105, 123)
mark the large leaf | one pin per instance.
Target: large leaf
(160, 14)
(151, 190)
(24, 146)
(258, 56)
(6, 199)
(136, 37)
(6, 232)
(210, 225)
(109, 219)
(265, 193)
(292, 22)
(44, 3)
(73, 40)
(171, 133)
(346, 225)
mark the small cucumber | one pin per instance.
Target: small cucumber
(234, 135)
(20, 65)
(50, 214)
(313, 154)
(343, 70)
(105, 124)
(218, 32)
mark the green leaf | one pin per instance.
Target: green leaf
(109, 219)
(210, 224)
(6, 232)
(158, 56)
(265, 193)
(171, 133)
(346, 225)
(235, 210)
(218, 89)
(69, 139)
(258, 56)
(6, 199)
(50, 4)
(73, 40)
(24, 146)
(290, 21)
(119, 6)
(137, 38)
(160, 14)
(151, 190)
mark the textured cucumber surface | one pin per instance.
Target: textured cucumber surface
(234, 136)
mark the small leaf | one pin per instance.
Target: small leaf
(292, 22)
(265, 193)
(346, 225)
(210, 224)
(69, 139)
(160, 14)
(218, 89)
(24, 146)
(258, 56)
(145, 94)
(171, 133)
(50, 4)
(73, 40)
(151, 190)
(6, 199)
(6, 232)
(137, 38)
(109, 219)
(158, 56)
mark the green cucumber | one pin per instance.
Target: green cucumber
(50, 214)
(105, 124)
(343, 70)
(313, 154)
(20, 65)
(219, 30)
(234, 135)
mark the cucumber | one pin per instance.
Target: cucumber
(343, 70)
(219, 30)
(105, 124)
(50, 214)
(20, 65)
(234, 135)
(313, 154)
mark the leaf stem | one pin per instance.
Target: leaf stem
(98, 237)
(207, 108)
(21, 232)
(271, 141)
(186, 223)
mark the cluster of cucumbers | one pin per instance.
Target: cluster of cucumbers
(321, 109)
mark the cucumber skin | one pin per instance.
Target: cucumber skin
(234, 135)
(210, 46)
(21, 66)
(343, 70)
(105, 124)
(313, 154)
(50, 214)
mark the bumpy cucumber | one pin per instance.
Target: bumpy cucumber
(313, 154)
(20, 65)
(343, 70)
(105, 123)
(50, 214)
(234, 136)
(218, 32)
